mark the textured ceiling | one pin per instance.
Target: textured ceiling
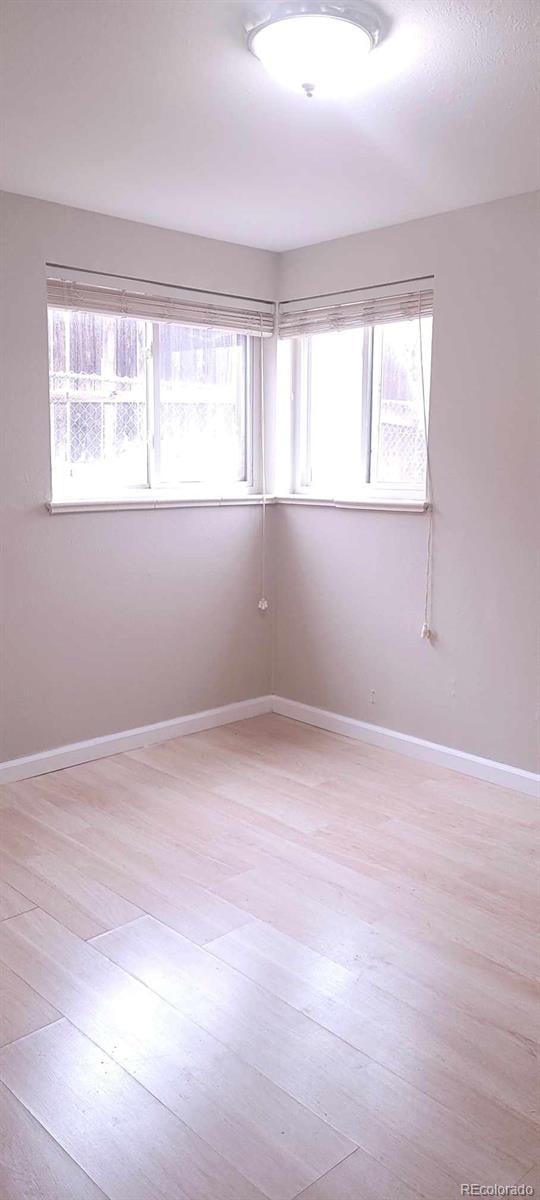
(154, 110)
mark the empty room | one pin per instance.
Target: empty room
(269, 599)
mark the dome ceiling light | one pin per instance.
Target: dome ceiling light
(315, 48)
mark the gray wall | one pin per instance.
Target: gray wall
(115, 619)
(351, 584)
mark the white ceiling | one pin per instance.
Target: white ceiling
(154, 110)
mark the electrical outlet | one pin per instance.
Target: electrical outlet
(372, 696)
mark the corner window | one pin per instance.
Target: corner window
(138, 404)
(361, 406)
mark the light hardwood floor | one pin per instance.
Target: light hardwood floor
(266, 962)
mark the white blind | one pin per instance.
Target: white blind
(350, 310)
(164, 304)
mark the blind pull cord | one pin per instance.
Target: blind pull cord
(427, 632)
(263, 600)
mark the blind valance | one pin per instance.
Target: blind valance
(163, 304)
(351, 310)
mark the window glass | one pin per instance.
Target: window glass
(202, 416)
(133, 400)
(334, 412)
(98, 402)
(398, 443)
(361, 412)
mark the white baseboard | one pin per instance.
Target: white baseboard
(456, 760)
(130, 739)
(403, 743)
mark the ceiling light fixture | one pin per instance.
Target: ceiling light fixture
(315, 48)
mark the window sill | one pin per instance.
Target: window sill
(370, 503)
(128, 503)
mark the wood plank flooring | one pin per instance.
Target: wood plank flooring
(264, 963)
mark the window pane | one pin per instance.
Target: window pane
(203, 398)
(97, 373)
(398, 450)
(333, 413)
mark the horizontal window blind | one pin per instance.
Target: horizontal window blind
(186, 308)
(351, 310)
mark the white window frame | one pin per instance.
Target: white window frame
(187, 491)
(364, 489)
